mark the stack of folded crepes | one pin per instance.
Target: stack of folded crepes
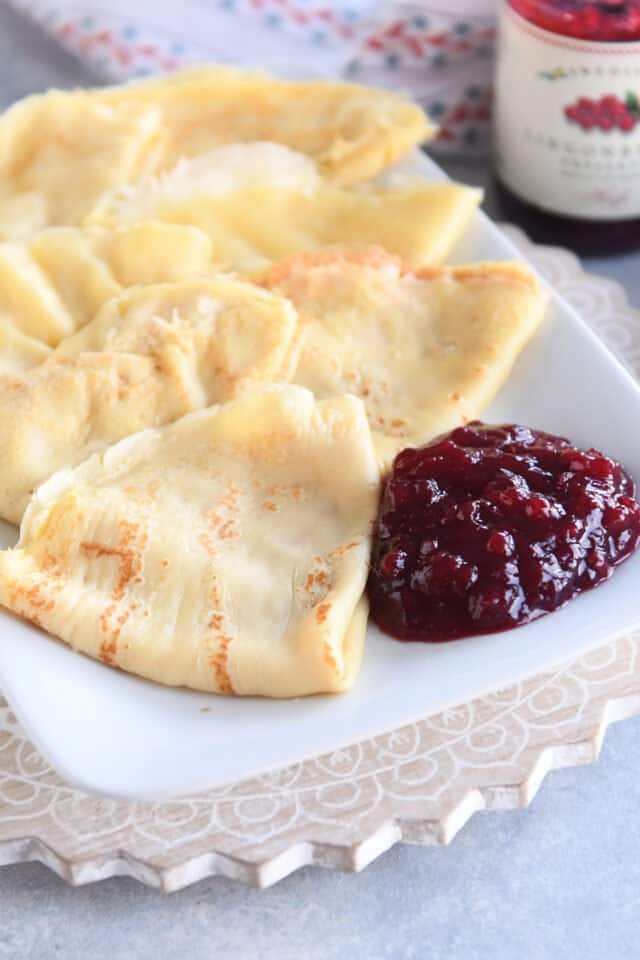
(216, 330)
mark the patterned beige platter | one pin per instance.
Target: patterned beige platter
(419, 784)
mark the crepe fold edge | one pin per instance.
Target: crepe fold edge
(329, 654)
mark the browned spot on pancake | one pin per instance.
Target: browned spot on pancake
(268, 505)
(322, 612)
(318, 579)
(128, 553)
(219, 660)
(340, 551)
(33, 601)
(206, 540)
(35, 597)
(221, 519)
(230, 498)
(228, 530)
(164, 563)
(286, 492)
(217, 638)
(315, 584)
(398, 422)
(455, 397)
(214, 593)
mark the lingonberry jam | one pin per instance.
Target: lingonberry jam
(493, 526)
(567, 121)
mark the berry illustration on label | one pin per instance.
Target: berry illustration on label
(607, 113)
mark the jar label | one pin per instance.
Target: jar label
(567, 116)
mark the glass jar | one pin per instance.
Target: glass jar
(567, 121)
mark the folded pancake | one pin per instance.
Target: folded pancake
(426, 349)
(353, 132)
(150, 356)
(59, 152)
(54, 283)
(227, 552)
(260, 202)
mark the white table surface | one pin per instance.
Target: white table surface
(561, 879)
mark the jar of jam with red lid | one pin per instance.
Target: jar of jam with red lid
(567, 121)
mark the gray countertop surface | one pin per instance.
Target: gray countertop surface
(561, 879)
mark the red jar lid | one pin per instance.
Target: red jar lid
(608, 21)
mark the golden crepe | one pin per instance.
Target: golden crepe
(59, 152)
(353, 132)
(426, 350)
(151, 355)
(53, 284)
(260, 202)
(227, 552)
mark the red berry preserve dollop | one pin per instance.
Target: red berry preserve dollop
(493, 526)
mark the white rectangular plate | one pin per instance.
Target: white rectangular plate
(115, 734)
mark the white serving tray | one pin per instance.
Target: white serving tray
(114, 734)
